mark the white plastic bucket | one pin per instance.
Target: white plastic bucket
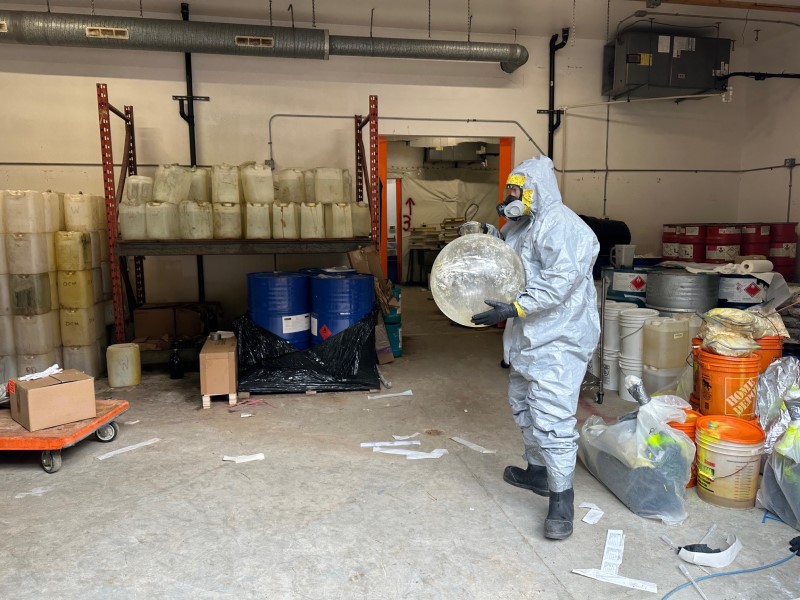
(727, 470)
(610, 369)
(611, 324)
(631, 336)
(628, 367)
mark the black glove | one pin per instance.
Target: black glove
(794, 545)
(500, 312)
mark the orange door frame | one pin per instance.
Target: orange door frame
(505, 165)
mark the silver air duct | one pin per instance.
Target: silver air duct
(121, 33)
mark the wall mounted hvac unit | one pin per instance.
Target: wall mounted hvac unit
(646, 64)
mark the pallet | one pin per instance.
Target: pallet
(232, 398)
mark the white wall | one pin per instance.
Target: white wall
(50, 94)
(772, 130)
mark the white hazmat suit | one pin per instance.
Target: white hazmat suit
(549, 348)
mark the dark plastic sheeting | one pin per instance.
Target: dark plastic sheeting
(344, 362)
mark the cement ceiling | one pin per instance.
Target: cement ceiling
(492, 20)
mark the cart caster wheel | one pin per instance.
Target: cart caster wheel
(107, 433)
(51, 460)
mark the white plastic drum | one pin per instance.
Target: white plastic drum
(471, 269)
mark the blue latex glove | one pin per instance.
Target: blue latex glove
(500, 312)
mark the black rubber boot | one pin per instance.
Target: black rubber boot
(558, 524)
(534, 478)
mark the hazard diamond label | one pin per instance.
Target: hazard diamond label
(325, 332)
(752, 290)
(638, 283)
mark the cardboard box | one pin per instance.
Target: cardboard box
(383, 348)
(154, 321)
(218, 367)
(61, 398)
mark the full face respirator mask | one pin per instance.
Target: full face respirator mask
(517, 203)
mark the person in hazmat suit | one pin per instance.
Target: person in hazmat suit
(552, 329)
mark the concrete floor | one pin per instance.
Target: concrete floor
(322, 517)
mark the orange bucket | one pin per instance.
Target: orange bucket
(728, 384)
(689, 427)
(771, 349)
(695, 402)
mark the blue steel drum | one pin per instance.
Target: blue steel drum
(279, 302)
(338, 302)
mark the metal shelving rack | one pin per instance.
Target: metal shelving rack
(138, 249)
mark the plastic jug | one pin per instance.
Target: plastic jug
(284, 221)
(73, 251)
(225, 188)
(3, 259)
(227, 221)
(132, 221)
(362, 223)
(100, 213)
(97, 247)
(100, 324)
(33, 334)
(27, 253)
(78, 326)
(105, 281)
(97, 285)
(83, 358)
(8, 367)
(347, 184)
(290, 186)
(162, 221)
(7, 336)
(5, 295)
(196, 221)
(309, 177)
(312, 221)
(53, 212)
(76, 289)
(257, 222)
(665, 343)
(52, 277)
(2, 211)
(108, 312)
(341, 221)
(24, 212)
(80, 212)
(54, 316)
(172, 184)
(138, 190)
(30, 294)
(50, 245)
(28, 364)
(200, 190)
(257, 183)
(124, 365)
(329, 186)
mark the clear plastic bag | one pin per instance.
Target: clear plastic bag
(779, 384)
(780, 487)
(643, 461)
(726, 343)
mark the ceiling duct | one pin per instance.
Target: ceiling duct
(125, 33)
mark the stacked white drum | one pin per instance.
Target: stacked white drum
(665, 353)
(259, 194)
(84, 283)
(30, 342)
(631, 345)
(245, 202)
(611, 343)
(195, 216)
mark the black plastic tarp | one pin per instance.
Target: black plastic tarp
(344, 362)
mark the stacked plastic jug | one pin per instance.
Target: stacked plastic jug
(30, 338)
(84, 283)
(259, 195)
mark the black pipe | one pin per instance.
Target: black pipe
(553, 118)
(759, 76)
(188, 116)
